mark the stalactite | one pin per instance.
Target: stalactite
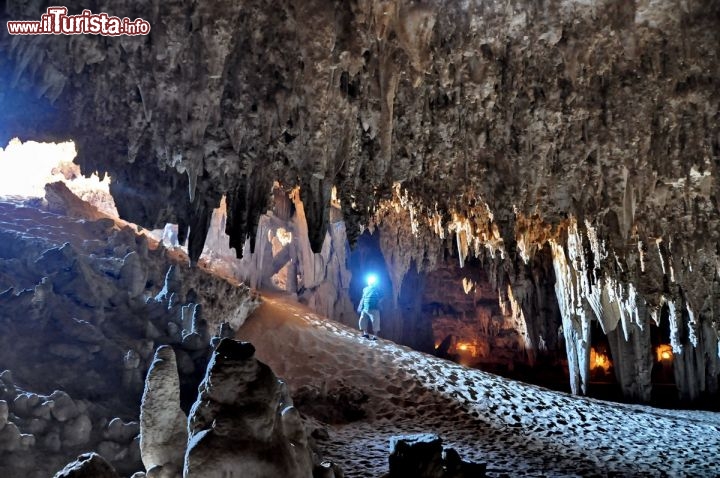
(405, 239)
(586, 287)
(632, 360)
(283, 258)
(520, 325)
(575, 323)
(675, 328)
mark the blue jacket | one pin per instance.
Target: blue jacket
(370, 299)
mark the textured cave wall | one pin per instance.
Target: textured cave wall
(567, 107)
(508, 122)
(504, 317)
(463, 303)
(283, 260)
(84, 303)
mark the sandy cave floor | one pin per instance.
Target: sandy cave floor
(517, 429)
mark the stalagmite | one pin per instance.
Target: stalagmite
(239, 421)
(306, 255)
(163, 424)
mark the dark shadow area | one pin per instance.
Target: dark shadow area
(367, 259)
(603, 382)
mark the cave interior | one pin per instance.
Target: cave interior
(532, 183)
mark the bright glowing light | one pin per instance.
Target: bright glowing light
(599, 359)
(467, 349)
(334, 199)
(284, 236)
(468, 285)
(664, 352)
(25, 168)
(371, 279)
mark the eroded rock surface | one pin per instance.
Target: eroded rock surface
(244, 419)
(81, 316)
(519, 105)
(89, 465)
(423, 456)
(163, 424)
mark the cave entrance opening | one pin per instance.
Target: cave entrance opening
(26, 167)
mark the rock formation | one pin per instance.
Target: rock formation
(163, 424)
(89, 465)
(244, 420)
(284, 260)
(83, 295)
(541, 90)
(486, 319)
(423, 456)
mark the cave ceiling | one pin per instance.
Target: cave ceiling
(606, 112)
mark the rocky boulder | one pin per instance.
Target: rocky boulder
(243, 419)
(423, 456)
(163, 432)
(89, 465)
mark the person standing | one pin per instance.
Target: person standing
(368, 308)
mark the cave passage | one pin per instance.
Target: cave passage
(535, 185)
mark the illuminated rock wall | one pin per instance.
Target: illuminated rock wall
(283, 260)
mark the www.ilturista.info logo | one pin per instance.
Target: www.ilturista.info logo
(57, 22)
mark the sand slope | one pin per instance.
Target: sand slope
(518, 429)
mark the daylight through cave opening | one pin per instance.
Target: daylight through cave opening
(26, 167)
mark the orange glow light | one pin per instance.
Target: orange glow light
(467, 348)
(598, 359)
(664, 352)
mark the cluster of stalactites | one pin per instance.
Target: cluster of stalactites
(593, 281)
(474, 227)
(474, 231)
(611, 301)
(579, 256)
(408, 235)
(587, 290)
